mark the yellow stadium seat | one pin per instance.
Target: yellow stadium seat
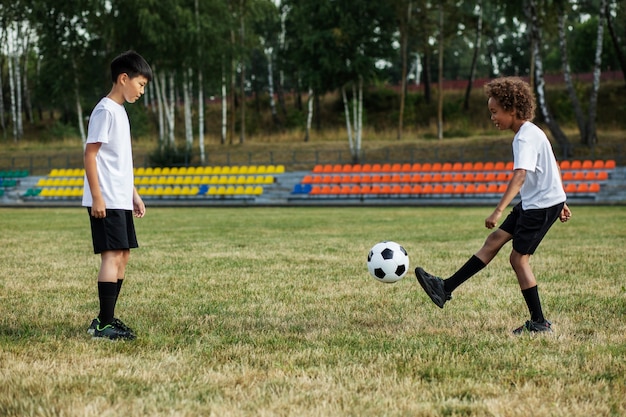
(140, 171)
(157, 171)
(212, 191)
(252, 169)
(239, 190)
(243, 170)
(261, 169)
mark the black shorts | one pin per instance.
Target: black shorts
(529, 227)
(115, 232)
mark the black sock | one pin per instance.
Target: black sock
(120, 281)
(107, 293)
(531, 295)
(471, 267)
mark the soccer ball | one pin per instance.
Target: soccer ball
(388, 262)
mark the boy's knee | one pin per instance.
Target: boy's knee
(517, 260)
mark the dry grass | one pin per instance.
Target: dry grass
(270, 312)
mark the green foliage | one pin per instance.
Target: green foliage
(141, 121)
(60, 131)
(169, 156)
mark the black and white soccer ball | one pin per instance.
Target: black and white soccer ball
(388, 262)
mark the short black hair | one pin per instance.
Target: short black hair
(131, 63)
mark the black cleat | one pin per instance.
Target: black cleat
(534, 327)
(433, 286)
(112, 331)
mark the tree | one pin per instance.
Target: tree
(476, 50)
(613, 9)
(403, 12)
(586, 125)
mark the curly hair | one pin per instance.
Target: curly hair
(513, 93)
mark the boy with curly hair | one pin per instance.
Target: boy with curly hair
(537, 178)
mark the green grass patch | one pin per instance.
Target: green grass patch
(271, 312)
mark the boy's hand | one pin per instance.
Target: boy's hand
(566, 214)
(98, 208)
(491, 221)
(139, 208)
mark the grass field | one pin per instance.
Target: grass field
(271, 312)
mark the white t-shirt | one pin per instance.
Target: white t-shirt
(533, 152)
(109, 125)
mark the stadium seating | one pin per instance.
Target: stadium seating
(208, 182)
(438, 180)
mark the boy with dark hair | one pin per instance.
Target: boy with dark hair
(537, 178)
(109, 192)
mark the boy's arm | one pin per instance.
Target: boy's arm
(566, 213)
(519, 176)
(139, 208)
(98, 208)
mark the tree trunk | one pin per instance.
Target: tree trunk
(440, 80)
(171, 112)
(242, 128)
(426, 75)
(158, 86)
(346, 111)
(187, 88)
(2, 103)
(200, 87)
(477, 44)
(356, 158)
(309, 116)
(615, 40)
(12, 88)
(79, 107)
(555, 129)
(591, 137)
(578, 111)
(233, 91)
(224, 107)
(270, 81)
(404, 40)
(201, 117)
